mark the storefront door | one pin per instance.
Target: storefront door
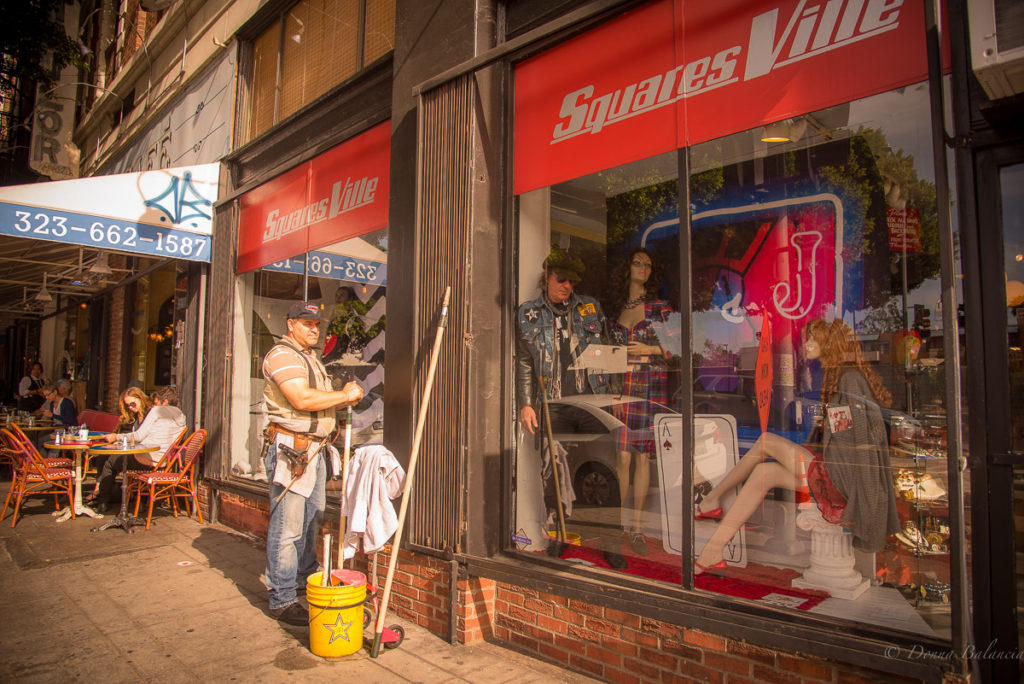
(1001, 242)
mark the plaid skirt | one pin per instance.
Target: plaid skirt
(637, 416)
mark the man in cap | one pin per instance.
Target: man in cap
(554, 329)
(300, 409)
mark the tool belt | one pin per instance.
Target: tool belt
(297, 457)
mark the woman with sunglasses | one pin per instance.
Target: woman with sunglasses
(153, 425)
(134, 406)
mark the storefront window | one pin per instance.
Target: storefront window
(348, 281)
(815, 264)
(609, 242)
(817, 337)
(157, 326)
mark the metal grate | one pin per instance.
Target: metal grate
(437, 508)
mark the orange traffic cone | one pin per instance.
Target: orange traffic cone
(803, 492)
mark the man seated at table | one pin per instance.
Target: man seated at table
(162, 424)
(59, 406)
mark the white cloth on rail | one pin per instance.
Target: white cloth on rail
(374, 478)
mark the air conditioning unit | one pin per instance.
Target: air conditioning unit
(997, 45)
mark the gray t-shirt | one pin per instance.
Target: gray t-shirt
(159, 429)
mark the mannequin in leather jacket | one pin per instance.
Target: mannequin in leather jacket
(536, 349)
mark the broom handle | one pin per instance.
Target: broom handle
(551, 453)
(342, 521)
(420, 420)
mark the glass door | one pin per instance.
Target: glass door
(998, 568)
(1011, 184)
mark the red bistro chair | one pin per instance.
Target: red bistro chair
(32, 477)
(47, 461)
(170, 484)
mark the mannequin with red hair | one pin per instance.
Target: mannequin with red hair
(846, 461)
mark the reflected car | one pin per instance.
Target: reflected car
(593, 447)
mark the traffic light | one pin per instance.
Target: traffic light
(922, 320)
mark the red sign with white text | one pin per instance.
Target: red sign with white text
(679, 72)
(342, 193)
(904, 229)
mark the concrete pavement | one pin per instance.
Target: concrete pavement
(182, 602)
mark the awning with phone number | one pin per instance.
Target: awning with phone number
(163, 213)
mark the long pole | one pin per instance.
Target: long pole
(342, 521)
(410, 473)
(551, 455)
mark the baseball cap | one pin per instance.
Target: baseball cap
(564, 264)
(304, 310)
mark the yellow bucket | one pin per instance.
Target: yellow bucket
(570, 538)
(336, 613)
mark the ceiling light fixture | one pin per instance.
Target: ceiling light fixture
(786, 130)
(100, 266)
(43, 295)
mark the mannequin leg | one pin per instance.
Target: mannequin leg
(622, 472)
(763, 477)
(769, 444)
(641, 483)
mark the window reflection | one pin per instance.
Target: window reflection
(815, 264)
(348, 280)
(815, 299)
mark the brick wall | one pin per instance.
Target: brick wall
(621, 647)
(604, 643)
(113, 383)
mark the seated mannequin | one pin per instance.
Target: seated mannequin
(846, 460)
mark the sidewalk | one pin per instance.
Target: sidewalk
(182, 602)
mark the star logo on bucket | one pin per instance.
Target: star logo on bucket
(339, 630)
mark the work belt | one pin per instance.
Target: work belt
(301, 439)
(297, 457)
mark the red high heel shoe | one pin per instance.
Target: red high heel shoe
(713, 514)
(701, 570)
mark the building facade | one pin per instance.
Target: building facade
(818, 205)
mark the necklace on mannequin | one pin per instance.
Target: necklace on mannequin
(635, 301)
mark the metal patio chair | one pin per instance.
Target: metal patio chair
(170, 484)
(32, 477)
(48, 461)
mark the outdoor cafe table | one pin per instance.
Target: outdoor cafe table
(123, 520)
(79, 447)
(37, 427)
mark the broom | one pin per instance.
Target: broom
(393, 560)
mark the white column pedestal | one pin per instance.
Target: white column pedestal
(832, 559)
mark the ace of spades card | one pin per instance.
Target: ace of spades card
(716, 452)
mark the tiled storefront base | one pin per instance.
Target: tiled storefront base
(608, 644)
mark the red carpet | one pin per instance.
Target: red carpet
(747, 583)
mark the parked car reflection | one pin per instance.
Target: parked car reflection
(593, 447)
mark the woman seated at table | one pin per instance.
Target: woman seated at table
(159, 426)
(59, 405)
(134, 405)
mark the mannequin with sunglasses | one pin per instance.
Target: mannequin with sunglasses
(554, 329)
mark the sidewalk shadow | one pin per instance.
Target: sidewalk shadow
(242, 559)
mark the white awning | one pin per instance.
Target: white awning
(162, 213)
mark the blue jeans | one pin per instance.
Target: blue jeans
(291, 536)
